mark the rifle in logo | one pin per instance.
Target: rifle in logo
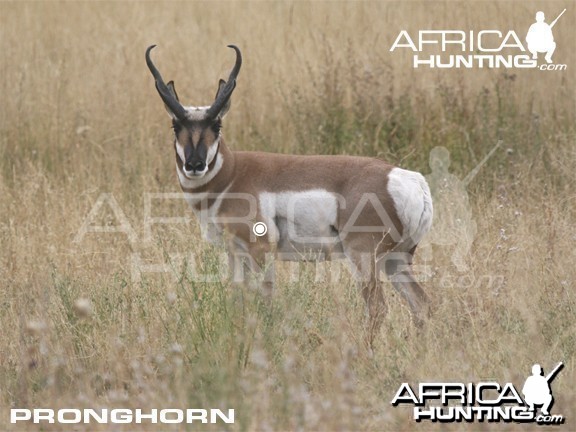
(560, 365)
(557, 18)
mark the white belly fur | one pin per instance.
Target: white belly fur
(301, 222)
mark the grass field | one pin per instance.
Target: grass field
(81, 327)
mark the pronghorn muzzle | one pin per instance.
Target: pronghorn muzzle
(195, 166)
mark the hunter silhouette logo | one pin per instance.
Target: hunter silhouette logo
(540, 38)
(537, 390)
(484, 401)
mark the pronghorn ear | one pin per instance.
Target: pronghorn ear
(225, 108)
(172, 90)
(221, 85)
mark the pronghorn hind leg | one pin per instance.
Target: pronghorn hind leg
(364, 272)
(374, 298)
(398, 268)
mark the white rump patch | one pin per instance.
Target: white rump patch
(412, 201)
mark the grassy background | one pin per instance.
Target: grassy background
(80, 117)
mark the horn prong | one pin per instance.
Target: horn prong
(224, 95)
(171, 102)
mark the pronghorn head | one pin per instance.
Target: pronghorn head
(197, 129)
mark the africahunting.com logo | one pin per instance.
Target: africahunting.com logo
(489, 48)
(448, 402)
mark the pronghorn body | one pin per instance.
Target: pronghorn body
(315, 207)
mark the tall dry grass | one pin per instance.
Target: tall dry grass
(80, 117)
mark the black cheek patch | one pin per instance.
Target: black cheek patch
(216, 127)
(177, 127)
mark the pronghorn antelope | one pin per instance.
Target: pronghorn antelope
(314, 207)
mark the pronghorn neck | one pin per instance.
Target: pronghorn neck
(219, 176)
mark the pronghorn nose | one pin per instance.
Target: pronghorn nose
(195, 166)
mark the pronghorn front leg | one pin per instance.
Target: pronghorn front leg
(262, 265)
(258, 257)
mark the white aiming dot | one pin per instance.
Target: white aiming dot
(260, 229)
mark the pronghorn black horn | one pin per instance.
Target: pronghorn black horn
(170, 101)
(224, 95)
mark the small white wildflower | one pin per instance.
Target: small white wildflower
(171, 297)
(35, 328)
(83, 307)
(81, 130)
(176, 349)
(258, 358)
(177, 354)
